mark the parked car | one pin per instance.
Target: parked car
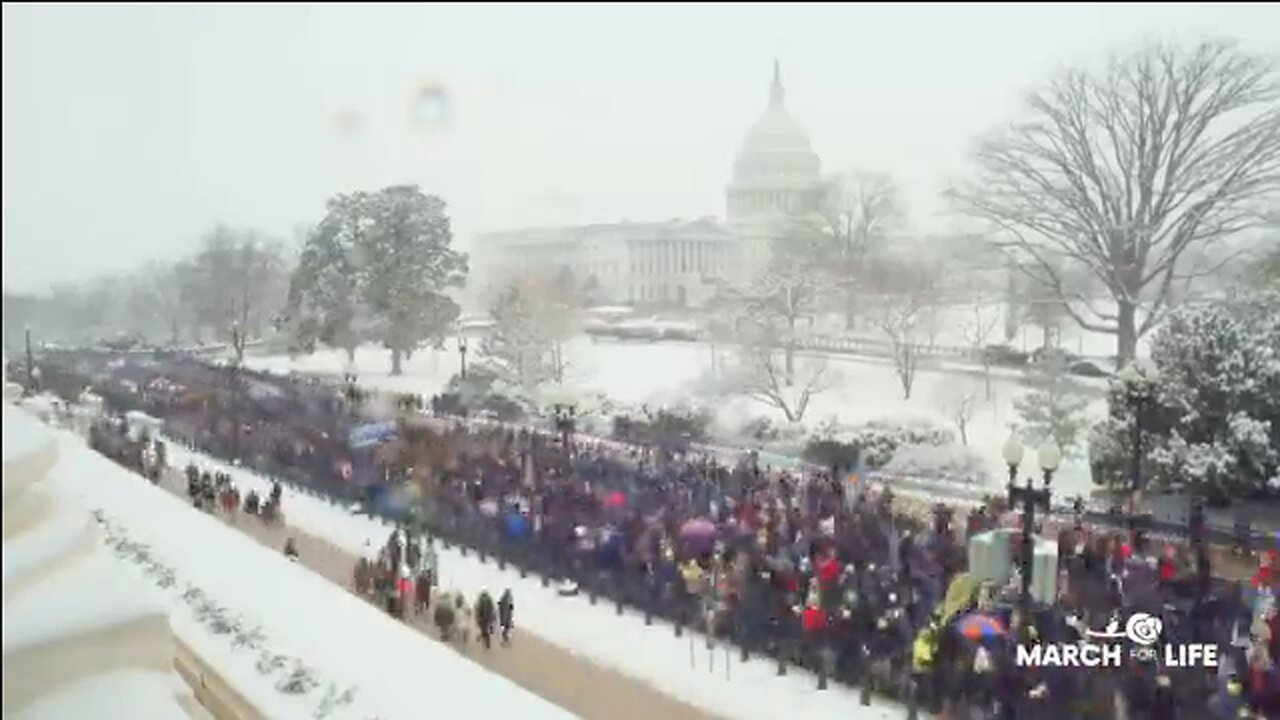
(1005, 355)
(1085, 368)
(1053, 354)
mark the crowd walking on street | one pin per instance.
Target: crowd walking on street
(851, 583)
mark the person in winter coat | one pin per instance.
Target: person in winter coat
(506, 609)
(252, 503)
(445, 617)
(485, 618)
(291, 549)
(422, 591)
(463, 613)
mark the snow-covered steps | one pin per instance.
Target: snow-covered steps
(74, 625)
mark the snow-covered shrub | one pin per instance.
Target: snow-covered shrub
(828, 453)
(670, 428)
(1054, 410)
(484, 391)
(942, 462)
(767, 435)
(878, 440)
(760, 430)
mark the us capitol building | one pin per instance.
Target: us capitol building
(776, 176)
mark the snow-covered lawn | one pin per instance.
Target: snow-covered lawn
(681, 667)
(288, 613)
(658, 373)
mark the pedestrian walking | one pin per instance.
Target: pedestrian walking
(506, 609)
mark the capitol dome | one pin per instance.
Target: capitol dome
(776, 147)
(776, 171)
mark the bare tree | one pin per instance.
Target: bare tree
(961, 404)
(978, 330)
(788, 291)
(907, 289)
(1121, 172)
(155, 301)
(237, 278)
(762, 375)
(862, 209)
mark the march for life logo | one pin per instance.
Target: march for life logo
(1108, 648)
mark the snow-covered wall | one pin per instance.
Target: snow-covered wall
(72, 619)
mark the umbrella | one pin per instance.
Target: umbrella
(961, 592)
(615, 500)
(979, 626)
(698, 535)
(698, 529)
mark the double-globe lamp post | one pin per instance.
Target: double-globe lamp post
(1030, 498)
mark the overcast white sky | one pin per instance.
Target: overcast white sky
(130, 130)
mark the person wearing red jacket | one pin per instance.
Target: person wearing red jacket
(813, 619)
(828, 569)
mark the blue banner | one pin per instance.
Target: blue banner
(372, 434)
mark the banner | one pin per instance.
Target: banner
(372, 434)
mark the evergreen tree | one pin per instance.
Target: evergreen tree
(1054, 410)
(325, 297)
(405, 266)
(516, 348)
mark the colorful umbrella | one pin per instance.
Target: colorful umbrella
(615, 500)
(698, 536)
(698, 529)
(979, 626)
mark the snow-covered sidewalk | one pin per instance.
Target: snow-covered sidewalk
(681, 667)
(287, 639)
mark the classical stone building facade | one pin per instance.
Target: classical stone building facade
(776, 177)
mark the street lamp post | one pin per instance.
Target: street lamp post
(1031, 499)
(237, 346)
(462, 355)
(1196, 529)
(1138, 382)
(31, 364)
(565, 414)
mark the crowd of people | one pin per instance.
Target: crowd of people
(800, 566)
(398, 577)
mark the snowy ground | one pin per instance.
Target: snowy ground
(344, 642)
(658, 373)
(681, 667)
